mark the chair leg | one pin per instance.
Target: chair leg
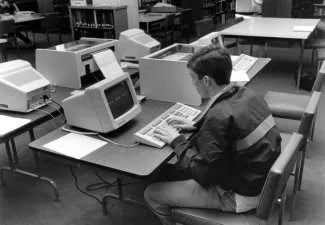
(294, 191)
(282, 206)
(251, 50)
(48, 39)
(60, 36)
(17, 46)
(187, 35)
(302, 164)
(261, 46)
(312, 56)
(265, 50)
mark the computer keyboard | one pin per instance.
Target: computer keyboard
(244, 62)
(146, 136)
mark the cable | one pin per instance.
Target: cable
(49, 115)
(59, 112)
(93, 74)
(125, 146)
(76, 182)
(94, 133)
(56, 103)
(77, 132)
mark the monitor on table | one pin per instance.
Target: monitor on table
(134, 44)
(104, 106)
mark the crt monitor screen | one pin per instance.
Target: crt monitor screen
(119, 99)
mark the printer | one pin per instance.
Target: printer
(64, 65)
(22, 88)
(134, 44)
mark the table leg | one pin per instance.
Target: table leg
(119, 197)
(13, 169)
(301, 62)
(147, 28)
(14, 150)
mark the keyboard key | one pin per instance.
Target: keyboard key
(165, 117)
(156, 123)
(177, 106)
(172, 111)
(146, 130)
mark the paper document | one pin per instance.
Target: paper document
(75, 145)
(234, 57)
(8, 124)
(108, 64)
(303, 28)
(238, 75)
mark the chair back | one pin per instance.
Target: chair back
(185, 17)
(204, 27)
(52, 20)
(169, 21)
(7, 26)
(225, 25)
(239, 19)
(319, 79)
(278, 176)
(308, 116)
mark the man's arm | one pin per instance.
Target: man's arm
(205, 155)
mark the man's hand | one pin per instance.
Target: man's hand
(166, 133)
(181, 123)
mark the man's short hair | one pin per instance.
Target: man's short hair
(212, 61)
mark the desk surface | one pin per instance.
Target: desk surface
(271, 28)
(38, 117)
(25, 19)
(153, 17)
(141, 160)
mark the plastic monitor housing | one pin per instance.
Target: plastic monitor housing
(165, 76)
(104, 106)
(134, 44)
(22, 88)
(212, 38)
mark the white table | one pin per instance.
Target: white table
(278, 28)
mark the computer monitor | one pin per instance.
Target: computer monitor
(212, 38)
(104, 106)
(134, 44)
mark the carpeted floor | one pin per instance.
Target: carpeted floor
(25, 201)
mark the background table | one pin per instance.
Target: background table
(140, 161)
(274, 28)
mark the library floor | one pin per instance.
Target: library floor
(25, 201)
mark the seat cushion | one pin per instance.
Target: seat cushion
(320, 52)
(188, 216)
(285, 105)
(285, 139)
(315, 43)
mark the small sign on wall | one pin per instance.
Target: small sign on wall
(78, 2)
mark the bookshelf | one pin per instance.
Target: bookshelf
(286, 8)
(98, 20)
(220, 10)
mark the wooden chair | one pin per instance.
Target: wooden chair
(7, 31)
(3, 50)
(293, 106)
(204, 27)
(273, 190)
(305, 127)
(167, 29)
(184, 25)
(51, 23)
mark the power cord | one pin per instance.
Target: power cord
(59, 112)
(92, 187)
(49, 115)
(97, 134)
(93, 74)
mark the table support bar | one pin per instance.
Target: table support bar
(119, 197)
(21, 172)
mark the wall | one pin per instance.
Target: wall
(133, 9)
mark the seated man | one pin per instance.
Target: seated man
(235, 143)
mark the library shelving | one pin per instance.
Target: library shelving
(220, 10)
(98, 19)
(286, 8)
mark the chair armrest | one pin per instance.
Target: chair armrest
(313, 102)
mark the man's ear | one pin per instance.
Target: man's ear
(207, 81)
